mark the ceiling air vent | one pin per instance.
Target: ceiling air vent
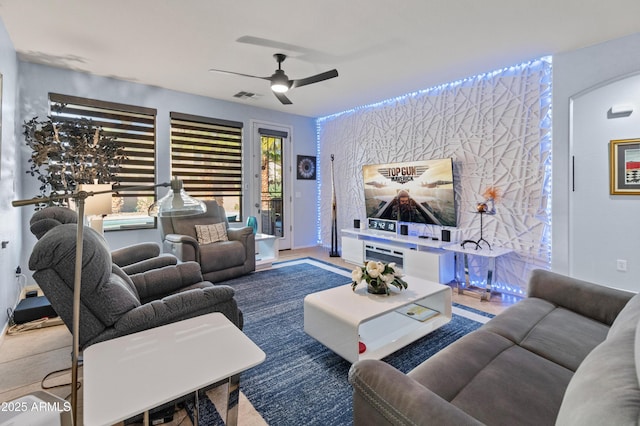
(247, 95)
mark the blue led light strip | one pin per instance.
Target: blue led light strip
(442, 87)
(319, 185)
(545, 142)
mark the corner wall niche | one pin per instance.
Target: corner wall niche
(496, 127)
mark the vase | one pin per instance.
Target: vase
(376, 289)
(253, 223)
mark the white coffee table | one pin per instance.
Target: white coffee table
(135, 373)
(340, 318)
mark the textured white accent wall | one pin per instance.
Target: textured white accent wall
(497, 129)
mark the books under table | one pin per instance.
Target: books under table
(417, 312)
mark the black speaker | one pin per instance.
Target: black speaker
(356, 223)
(404, 230)
(446, 235)
(33, 308)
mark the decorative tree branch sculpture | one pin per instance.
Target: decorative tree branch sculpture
(66, 153)
(334, 217)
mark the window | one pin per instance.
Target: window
(206, 153)
(134, 129)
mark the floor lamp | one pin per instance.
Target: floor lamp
(175, 203)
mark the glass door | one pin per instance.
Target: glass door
(271, 186)
(272, 203)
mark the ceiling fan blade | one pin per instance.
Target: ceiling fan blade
(239, 73)
(282, 98)
(315, 78)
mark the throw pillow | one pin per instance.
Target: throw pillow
(213, 233)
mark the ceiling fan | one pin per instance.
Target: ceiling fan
(280, 82)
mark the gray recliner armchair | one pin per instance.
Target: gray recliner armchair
(219, 261)
(132, 259)
(113, 303)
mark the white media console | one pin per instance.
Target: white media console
(418, 257)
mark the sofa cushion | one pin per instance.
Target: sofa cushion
(516, 322)
(57, 250)
(555, 333)
(222, 255)
(605, 390)
(517, 388)
(105, 288)
(495, 381)
(565, 337)
(44, 220)
(211, 233)
(114, 297)
(462, 360)
(628, 317)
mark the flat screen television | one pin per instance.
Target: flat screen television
(412, 191)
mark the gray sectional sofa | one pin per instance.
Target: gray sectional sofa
(565, 355)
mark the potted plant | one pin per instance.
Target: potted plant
(69, 152)
(378, 276)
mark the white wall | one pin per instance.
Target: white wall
(36, 81)
(603, 227)
(496, 129)
(575, 73)
(10, 219)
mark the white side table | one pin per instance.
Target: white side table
(266, 250)
(462, 255)
(135, 373)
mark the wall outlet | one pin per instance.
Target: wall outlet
(621, 265)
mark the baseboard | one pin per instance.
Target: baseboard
(307, 247)
(4, 333)
(5, 326)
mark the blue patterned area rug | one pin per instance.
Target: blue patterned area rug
(302, 382)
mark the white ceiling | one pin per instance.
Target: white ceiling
(381, 48)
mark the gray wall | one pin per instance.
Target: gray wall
(576, 73)
(36, 81)
(9, 180)
(613, 219)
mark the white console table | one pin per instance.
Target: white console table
(462, 257)
(419, 257)
(266, 250)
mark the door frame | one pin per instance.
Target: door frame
(254, 198)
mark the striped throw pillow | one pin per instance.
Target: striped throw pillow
(213, 233)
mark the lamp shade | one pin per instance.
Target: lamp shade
(99, 204)
(177, 203)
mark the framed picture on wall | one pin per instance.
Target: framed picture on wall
(624, 167)
(306, 167)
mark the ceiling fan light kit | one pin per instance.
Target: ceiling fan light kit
(280, 82)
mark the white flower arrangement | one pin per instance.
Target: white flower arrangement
(378, 276)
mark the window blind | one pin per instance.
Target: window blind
(273, 133)
(133, 127)
(206, 153)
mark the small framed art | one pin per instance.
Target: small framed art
(306, 167)
(624, 167)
